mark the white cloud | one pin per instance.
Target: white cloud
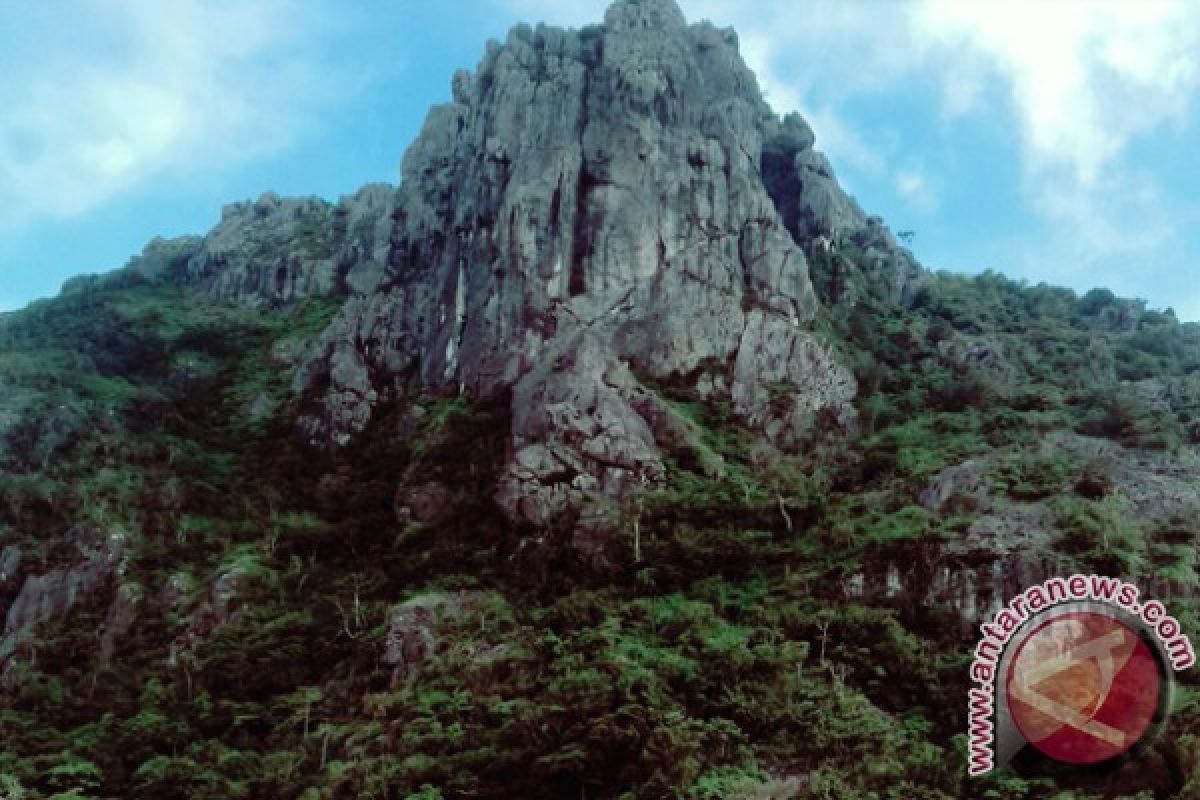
(1084, 81)
(915, 187)
(106, 97)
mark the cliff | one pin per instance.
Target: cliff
(614, 453)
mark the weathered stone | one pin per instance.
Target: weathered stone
(175, 591)
(53, 594)
(590, 201)
(122, 613)
(830, 212)
(783, 375)
(594, 210)
(964, 483)
(1010, 544)
(411, 636)
(279, 250)
(982, 355)
(216, 608)
(10, 564)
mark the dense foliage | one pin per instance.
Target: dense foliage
(737, 645)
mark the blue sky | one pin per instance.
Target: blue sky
(1053, 141)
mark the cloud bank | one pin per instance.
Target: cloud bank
(101, 98)
(1086, 83)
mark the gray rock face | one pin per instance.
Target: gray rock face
(982, 355)
(279, 250)
(1009, 545)
(589, 212)
(216, 606)
(852, 256)
(122, 613)
(595, 212)
(10, 564)
(52, 594)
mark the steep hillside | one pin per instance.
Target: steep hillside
(615, 454)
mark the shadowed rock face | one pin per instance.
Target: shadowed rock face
(590, 208)
(52, 594)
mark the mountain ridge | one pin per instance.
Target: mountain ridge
(615, 453)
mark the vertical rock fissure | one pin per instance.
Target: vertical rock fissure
(580, 231)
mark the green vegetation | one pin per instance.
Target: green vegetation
(749, 643)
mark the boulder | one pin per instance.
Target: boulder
(412, 627)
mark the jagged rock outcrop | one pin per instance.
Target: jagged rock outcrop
(596, 212)
(1009, 545)
(271, 251)
(983, 356)
(52, 594)
(122, 613)
(216, 606)
(851, 255)
(279, 250)
(588, 215)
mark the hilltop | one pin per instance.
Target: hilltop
(616, 452)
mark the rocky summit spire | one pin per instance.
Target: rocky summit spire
(590, 213)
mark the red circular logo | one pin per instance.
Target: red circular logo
(1083, 688)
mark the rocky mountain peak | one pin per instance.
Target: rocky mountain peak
(596, 214)
(597, 209)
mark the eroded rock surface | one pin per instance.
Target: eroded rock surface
(1012, 543)
(411, 636)
(278, 250)
(596, 212)
(217, 605)
(52, 594)
(587, 216)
